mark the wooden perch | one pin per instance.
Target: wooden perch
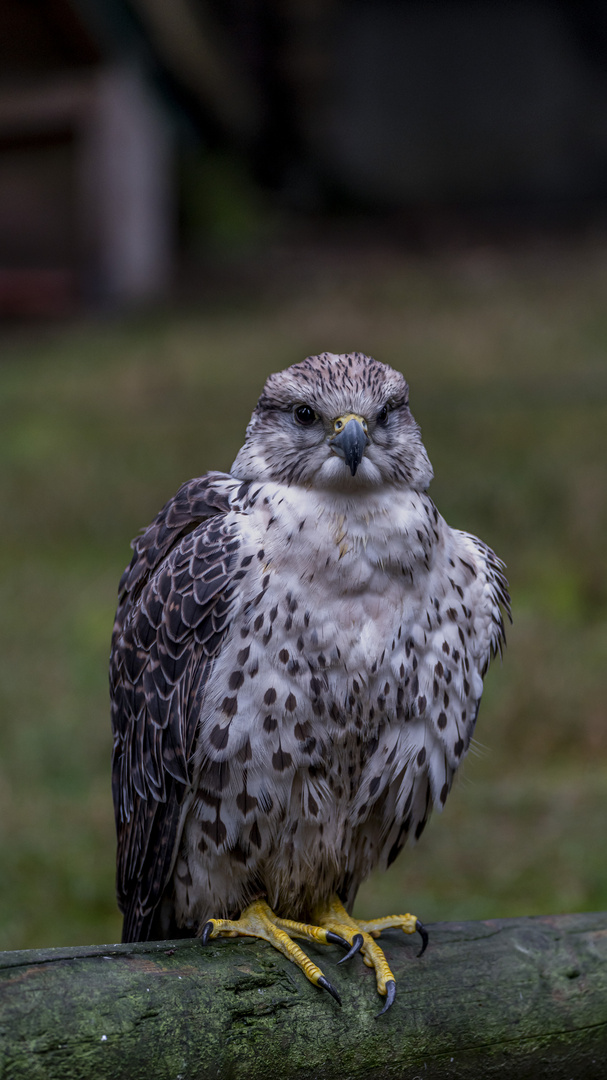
(505, 998)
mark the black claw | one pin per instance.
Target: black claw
(354, 948)
(336, 939)
(326, 985)
(206, 932)
(423, 933)
(390, 995)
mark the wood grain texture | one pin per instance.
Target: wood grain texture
(502, 998)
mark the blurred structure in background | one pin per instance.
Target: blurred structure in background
(85, 201)
(114, 115)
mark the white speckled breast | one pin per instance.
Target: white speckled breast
(351, 698)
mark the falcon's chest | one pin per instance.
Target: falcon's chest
(343, 564)
(331, 588)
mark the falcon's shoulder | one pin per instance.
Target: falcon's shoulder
(175, 604)
(194, 503)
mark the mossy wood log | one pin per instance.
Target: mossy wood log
(503, 998)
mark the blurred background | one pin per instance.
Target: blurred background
(195, 194)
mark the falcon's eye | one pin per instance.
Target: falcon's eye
(382, 417)
(304, 415)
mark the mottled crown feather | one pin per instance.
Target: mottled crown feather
(328, 379)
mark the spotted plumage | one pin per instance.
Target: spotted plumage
(297, 660)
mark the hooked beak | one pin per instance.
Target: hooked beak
(350, 439)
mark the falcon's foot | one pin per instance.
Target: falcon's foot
(360, 934)
(258, 920)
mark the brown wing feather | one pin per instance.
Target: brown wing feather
(174, 611)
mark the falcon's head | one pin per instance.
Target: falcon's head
(335, 421)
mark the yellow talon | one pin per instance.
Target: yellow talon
(407, 923)
(334, 917)
(258, 920)
(332, 925)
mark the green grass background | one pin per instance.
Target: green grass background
(99, 424)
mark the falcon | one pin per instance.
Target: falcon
(296, 670)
